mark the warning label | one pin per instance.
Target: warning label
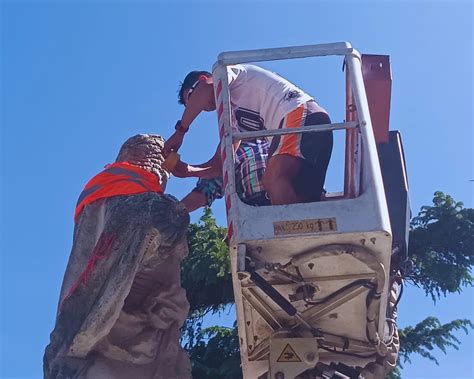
(288, 355)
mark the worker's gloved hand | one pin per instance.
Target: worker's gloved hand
(173, 143)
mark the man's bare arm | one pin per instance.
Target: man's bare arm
(195, 106)
(208, 170)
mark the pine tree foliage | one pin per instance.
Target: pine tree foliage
(215, 354)
(441, 254)
(428, 335)
(205, 272)
(441, 247)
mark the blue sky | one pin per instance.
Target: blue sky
(80, 77)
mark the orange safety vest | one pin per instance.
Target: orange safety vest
(117, 179)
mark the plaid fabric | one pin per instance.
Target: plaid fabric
(250, 162)
(212, 189)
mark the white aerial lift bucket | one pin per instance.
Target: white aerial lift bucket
(311, 281)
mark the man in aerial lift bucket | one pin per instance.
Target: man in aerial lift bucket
(260, 100)
(250, 163)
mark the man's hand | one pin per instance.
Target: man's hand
(181, 170)
(173, 143)
(184, 170)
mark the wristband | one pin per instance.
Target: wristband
(178, 127)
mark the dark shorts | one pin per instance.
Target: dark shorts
(315, 151)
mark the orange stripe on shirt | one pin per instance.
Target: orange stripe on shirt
(290, 143)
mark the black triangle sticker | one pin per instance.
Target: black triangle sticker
(288, 355)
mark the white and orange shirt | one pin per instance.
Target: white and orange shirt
(261, 98)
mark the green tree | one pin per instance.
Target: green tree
(441, 254)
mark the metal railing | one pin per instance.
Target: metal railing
(305, 129)
(357, 123)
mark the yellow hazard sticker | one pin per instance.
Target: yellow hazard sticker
(316, 225)
(288, 355)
